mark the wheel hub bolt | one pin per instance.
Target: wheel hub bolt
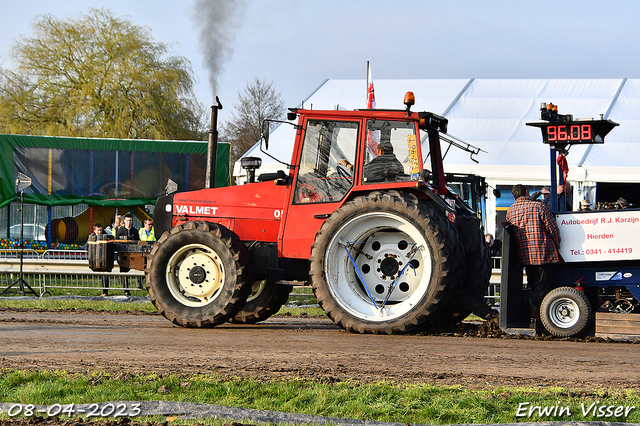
(197, 275)
(389, 266)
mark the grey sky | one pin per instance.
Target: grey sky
(299, 44)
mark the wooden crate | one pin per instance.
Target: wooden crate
(617, 326)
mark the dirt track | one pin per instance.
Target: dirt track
(311, 348)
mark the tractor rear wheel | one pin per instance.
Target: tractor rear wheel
(381, 263)
(198, 274)
(265, 299)
(469, 295)
(565, 311)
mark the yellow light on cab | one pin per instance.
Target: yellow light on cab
(409, 99)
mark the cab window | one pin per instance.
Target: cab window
(391, 152)
(322, 175)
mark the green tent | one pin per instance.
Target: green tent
(103, 172)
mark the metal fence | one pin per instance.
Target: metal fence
(493, 292)
(69, 269)
(62, 269)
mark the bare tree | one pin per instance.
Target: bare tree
(258, 101)
(98, 76)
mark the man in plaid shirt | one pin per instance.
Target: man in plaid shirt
(537, 238)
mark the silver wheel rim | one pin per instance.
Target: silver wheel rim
(379, 244)
(195, 274)
(564, 312)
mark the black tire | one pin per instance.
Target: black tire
(469, 295)
(209, 293)
(265, 299)
(378, 229)
(565, 312)
(478, 281)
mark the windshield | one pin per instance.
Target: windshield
(391, 153)
(321, 176)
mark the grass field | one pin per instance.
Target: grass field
(301, 301)
(383, 401)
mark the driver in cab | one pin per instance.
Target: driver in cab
(384, 167)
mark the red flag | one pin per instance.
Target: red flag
(371, 96)
(562, 162)
(373, 138)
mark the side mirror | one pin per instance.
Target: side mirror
(265, 133)
(171, 187)
(496, 193)
(280, 177)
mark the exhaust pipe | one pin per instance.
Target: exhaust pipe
(212, 147)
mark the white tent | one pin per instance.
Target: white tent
(491, 114)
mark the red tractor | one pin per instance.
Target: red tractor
(387, 246)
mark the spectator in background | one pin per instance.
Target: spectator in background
(561, 190)
(97, 231)
(585, 206)
(127, 232)
(537, 240)
(495, 246)
(544, 192)
(117, 223)
(565, 191)
(147, 233)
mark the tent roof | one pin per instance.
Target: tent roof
(492, 114)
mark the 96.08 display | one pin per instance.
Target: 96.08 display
(574, 132)
(577, 133)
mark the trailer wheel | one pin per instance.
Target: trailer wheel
(198, 274)
(565, 311)
(363, 247)
(265, 299)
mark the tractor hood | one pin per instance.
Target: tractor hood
(252, 211)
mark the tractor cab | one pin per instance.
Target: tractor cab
(338, 154)
(337, 150)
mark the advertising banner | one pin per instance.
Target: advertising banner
(599, 235)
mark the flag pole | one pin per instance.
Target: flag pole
(367, 82)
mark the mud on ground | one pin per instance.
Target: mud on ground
(472, 355)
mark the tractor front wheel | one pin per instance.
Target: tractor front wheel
(198, 274)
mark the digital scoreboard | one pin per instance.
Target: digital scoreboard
(562, 130)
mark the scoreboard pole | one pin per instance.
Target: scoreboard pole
(554, 181)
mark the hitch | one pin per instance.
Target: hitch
(131, 254)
